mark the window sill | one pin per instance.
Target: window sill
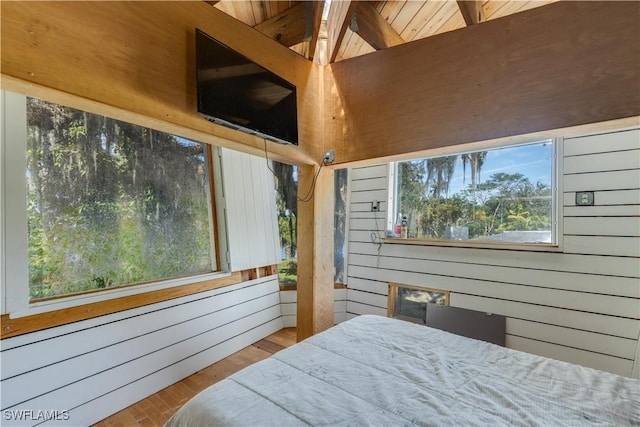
(59, 312)
(475, 244)
(59, 303)
(284, 288)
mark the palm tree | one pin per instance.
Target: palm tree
(440, 170)
(475, 161)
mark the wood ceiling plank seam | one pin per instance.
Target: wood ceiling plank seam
(421, 19)
(373, 28)
(350, 45)
(337, 23)
(456, 22)
(510, 8)
(492, 8)
(362, 46)
(269, 8)
(391, 9)
(345, 50)
(225, 7)
(258, 9)
(527, 5)
(408, 17)
(438, 20)
(278, 6)
(301, 49)
(533, 4)
(242, 12)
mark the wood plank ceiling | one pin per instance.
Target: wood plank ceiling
(336, 30)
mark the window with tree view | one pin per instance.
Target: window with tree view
(110, 203)
(498, 195)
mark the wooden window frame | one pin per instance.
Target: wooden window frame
(556, 202)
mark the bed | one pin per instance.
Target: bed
(372, 370)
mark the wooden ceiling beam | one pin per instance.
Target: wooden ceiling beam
(300, 23)
(287, 27)
(373, 28)
(339, 17)
(313, 22)
(472, 11)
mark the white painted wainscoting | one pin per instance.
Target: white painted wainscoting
(288, 300)
(579, 305)
(97, 367)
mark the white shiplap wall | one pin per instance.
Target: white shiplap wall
(288, 300)
(97, 367)
(580, 305)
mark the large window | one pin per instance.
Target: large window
(503, 195)
(109, 203)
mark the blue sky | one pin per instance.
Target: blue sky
(532, 160)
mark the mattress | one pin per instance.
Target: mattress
(373, 370)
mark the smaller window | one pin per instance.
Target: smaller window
(340, 225)
(410, 302)
(499, 195)
(286, 183)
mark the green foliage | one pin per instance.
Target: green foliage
(288, 272)
(111, 203)
(437, 214)
(287, 205)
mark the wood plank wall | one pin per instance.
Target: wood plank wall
(581, 305)
(95, 368)
(565, 64)
(135, 61)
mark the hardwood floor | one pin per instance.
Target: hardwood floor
(156, 409)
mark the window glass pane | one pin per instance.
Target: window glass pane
(111, 203)
(411, 303)
(286, 180)
(340, 223)
(502, 195)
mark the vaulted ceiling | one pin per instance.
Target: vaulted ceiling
(328, 31)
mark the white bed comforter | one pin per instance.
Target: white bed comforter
(377, 371)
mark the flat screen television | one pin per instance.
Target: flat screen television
(236, 92)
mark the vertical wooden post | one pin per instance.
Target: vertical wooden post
(315, 251)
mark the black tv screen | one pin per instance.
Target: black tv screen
(238, 93)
